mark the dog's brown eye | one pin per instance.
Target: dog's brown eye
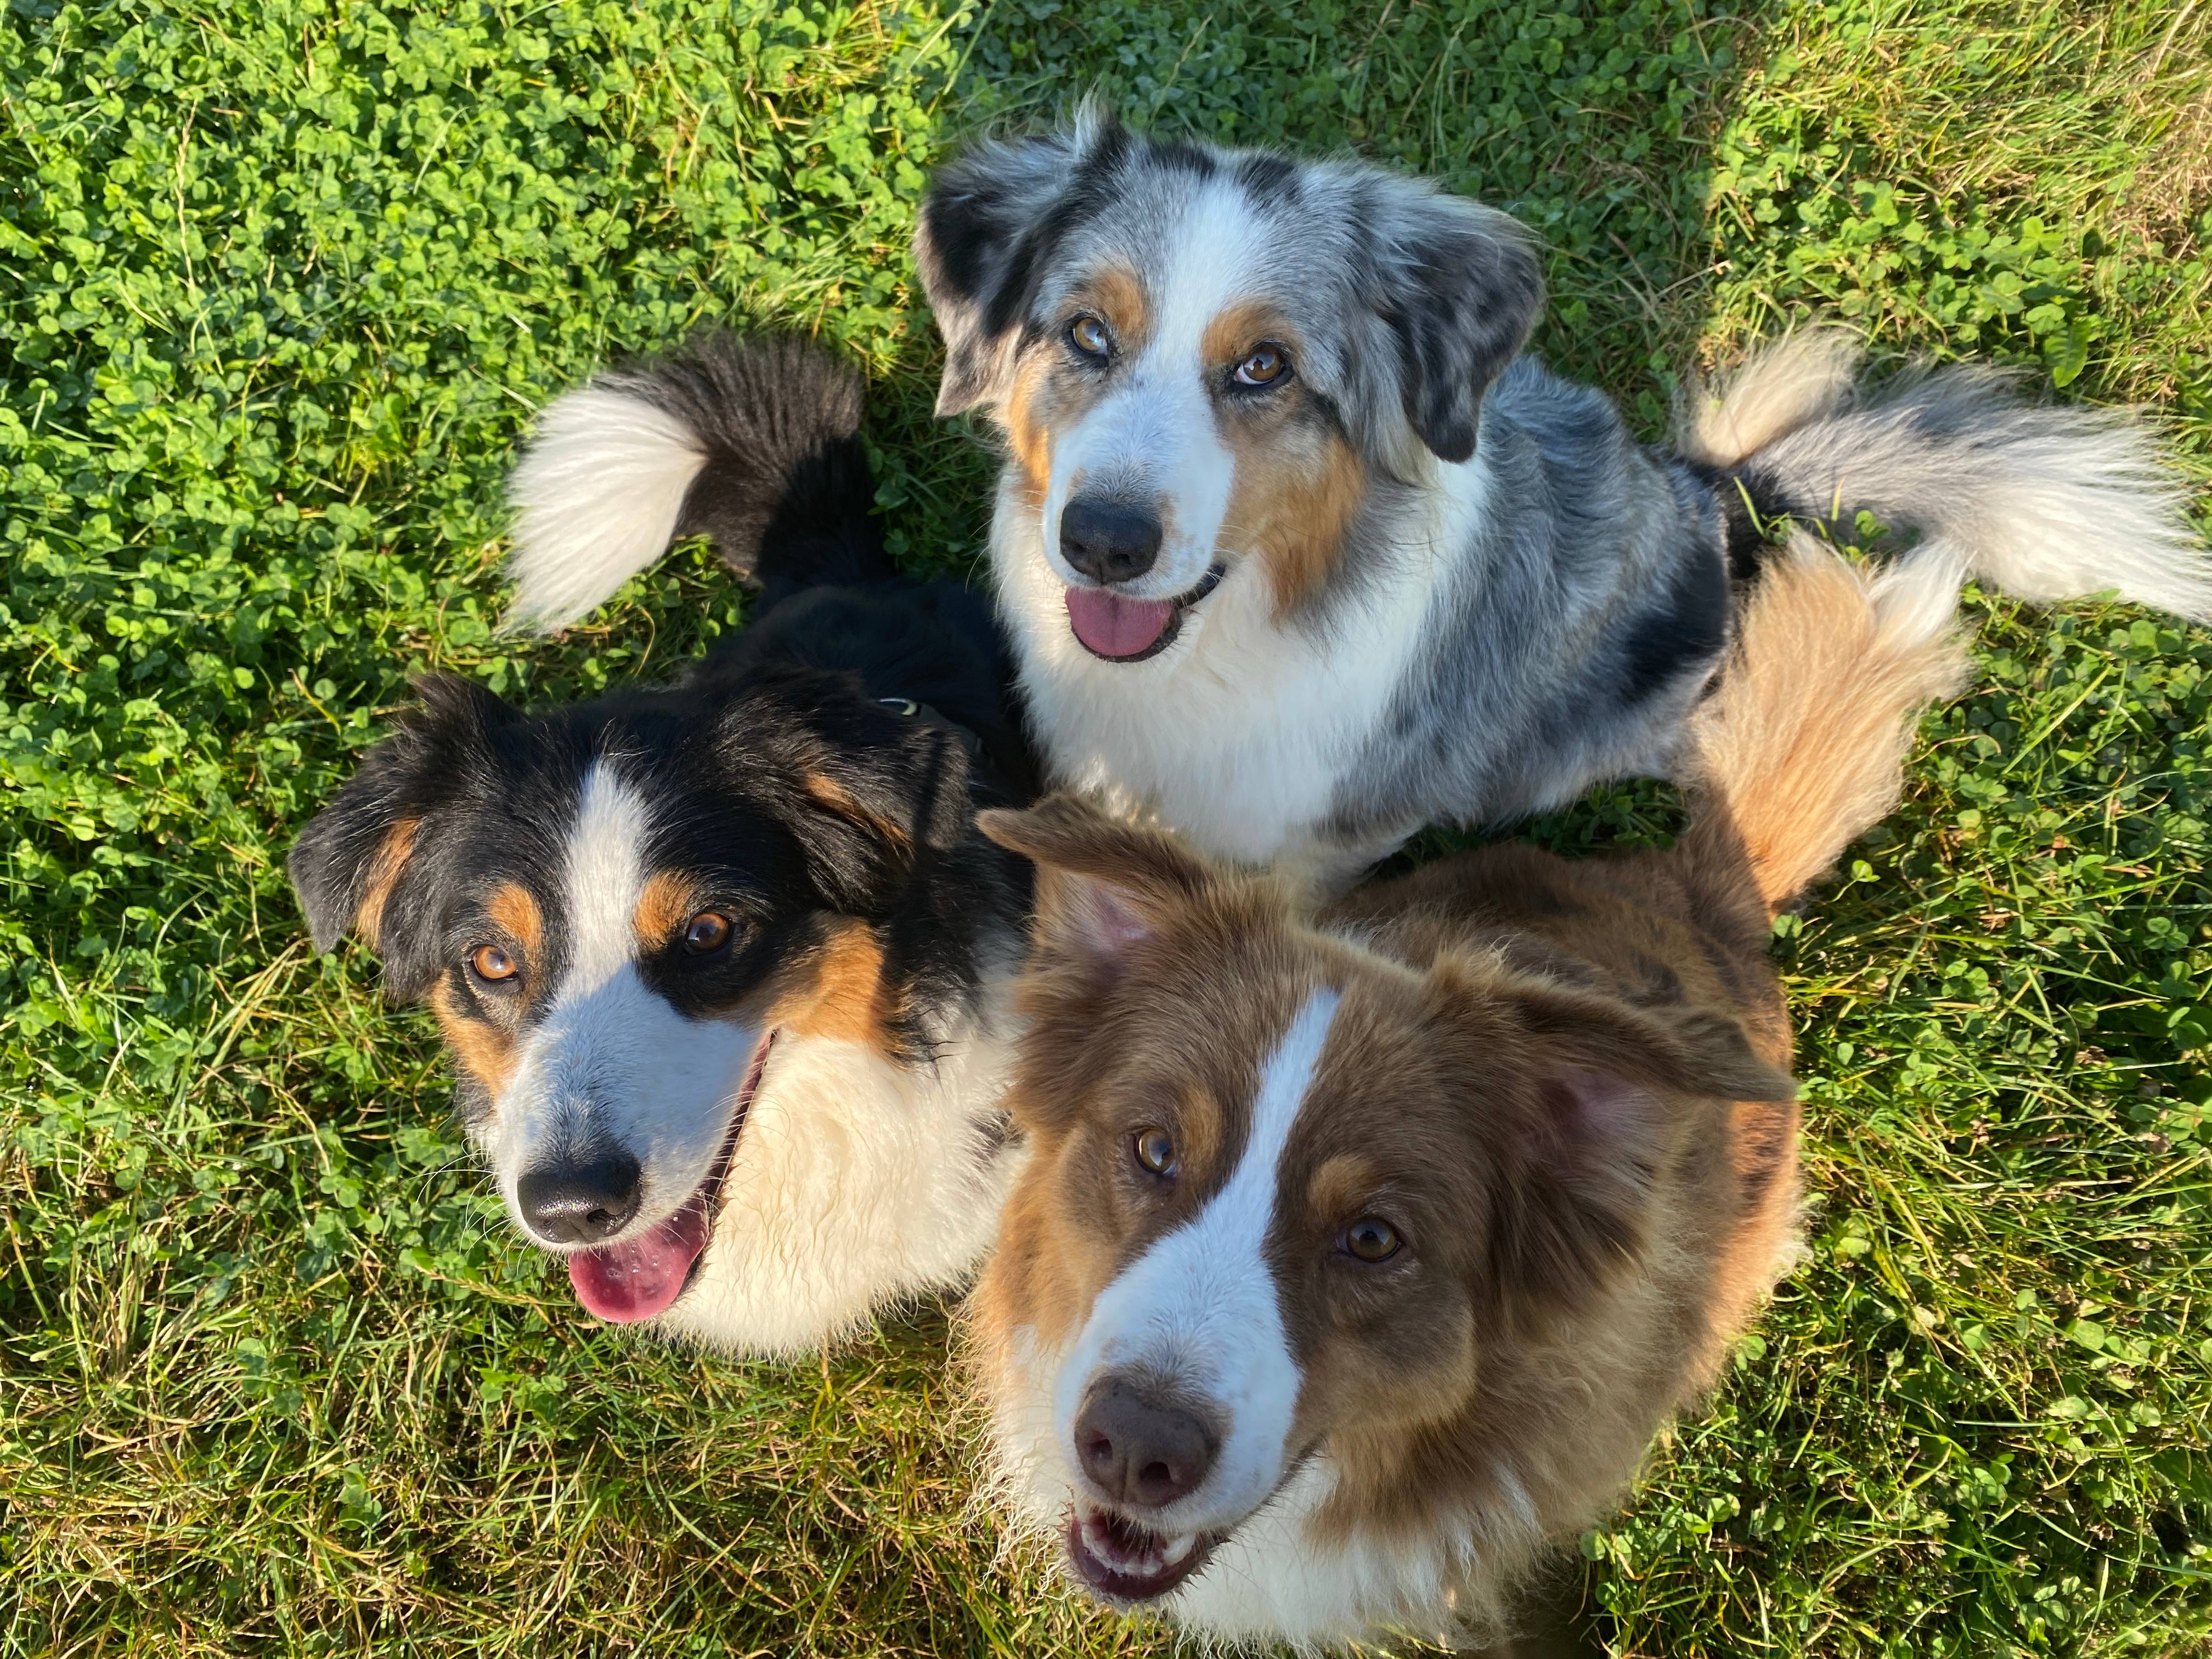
(1372, 1240)
(1154, 1149)
(708, 931)
(490, 962)
(1088, 336)
(1263, 368)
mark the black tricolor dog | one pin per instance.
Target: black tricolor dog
(718, 963)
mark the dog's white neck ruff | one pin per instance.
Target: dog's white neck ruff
(1239, 734)
(857, 1184)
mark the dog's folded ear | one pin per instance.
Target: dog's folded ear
(984, 236)
(1584, 1097)
(1459, 288)
(360, 865)
(1103, 886)
(885, 791)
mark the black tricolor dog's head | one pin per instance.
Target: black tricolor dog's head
(1201, 353)
(615, 908)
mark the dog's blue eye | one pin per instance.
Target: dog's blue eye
(1089, 336)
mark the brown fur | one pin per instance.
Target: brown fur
(1117, 293)
(1299, 483)
(391, 855)
(1808, 746)
(1297, 491)
(1085, 1211)
(484, 1050)
(839, 993)
(832, 797)
(1032, 406)
(1478, 986)
(1240, 328)
(513, 909)
(1565, 1084)
(670, 900)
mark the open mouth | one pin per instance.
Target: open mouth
(640, 1277)
(1120, 629)
(1125, 1563)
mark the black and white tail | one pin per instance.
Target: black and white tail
(752, 443)
(2047, 502)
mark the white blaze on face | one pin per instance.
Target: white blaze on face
(1152, 441)
(1199, 1306)
(612, 1061)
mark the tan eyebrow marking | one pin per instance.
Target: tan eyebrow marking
(1117, 293)
(668, 901)
(514, 910)
(1242, 324)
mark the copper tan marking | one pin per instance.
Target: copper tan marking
(515, 911)
(670, 900)
(843, 997)
(1116, 294)
(1297, 495)
(391, 855)
(1030, 412)
(832, 796)
(485, 1052)
(1237, 329)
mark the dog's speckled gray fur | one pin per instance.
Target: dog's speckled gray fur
(1587, 599)
(1566, 644)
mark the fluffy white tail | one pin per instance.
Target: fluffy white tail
(749, 442)
(2047, 502)
(596, 498)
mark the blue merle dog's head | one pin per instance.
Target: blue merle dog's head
(1198, 354)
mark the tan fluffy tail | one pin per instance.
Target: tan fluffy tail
(1803, 746)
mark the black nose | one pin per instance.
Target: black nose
(1107, 541)
(1138, 1448)
(581, 1202)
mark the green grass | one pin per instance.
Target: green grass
(280, 284)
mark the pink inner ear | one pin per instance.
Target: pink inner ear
(1594, 1110)
(1104, 920)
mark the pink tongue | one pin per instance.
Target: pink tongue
(638, 1278)
(1113, 626)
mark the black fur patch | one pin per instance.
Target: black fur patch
(1688, 627)
(1269, 180)
(1462, 295)
(785, 475)
(1744, 501)
(1182, 158)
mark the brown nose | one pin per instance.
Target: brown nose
(1139, 1449)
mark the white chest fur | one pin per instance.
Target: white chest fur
(857, 1182)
